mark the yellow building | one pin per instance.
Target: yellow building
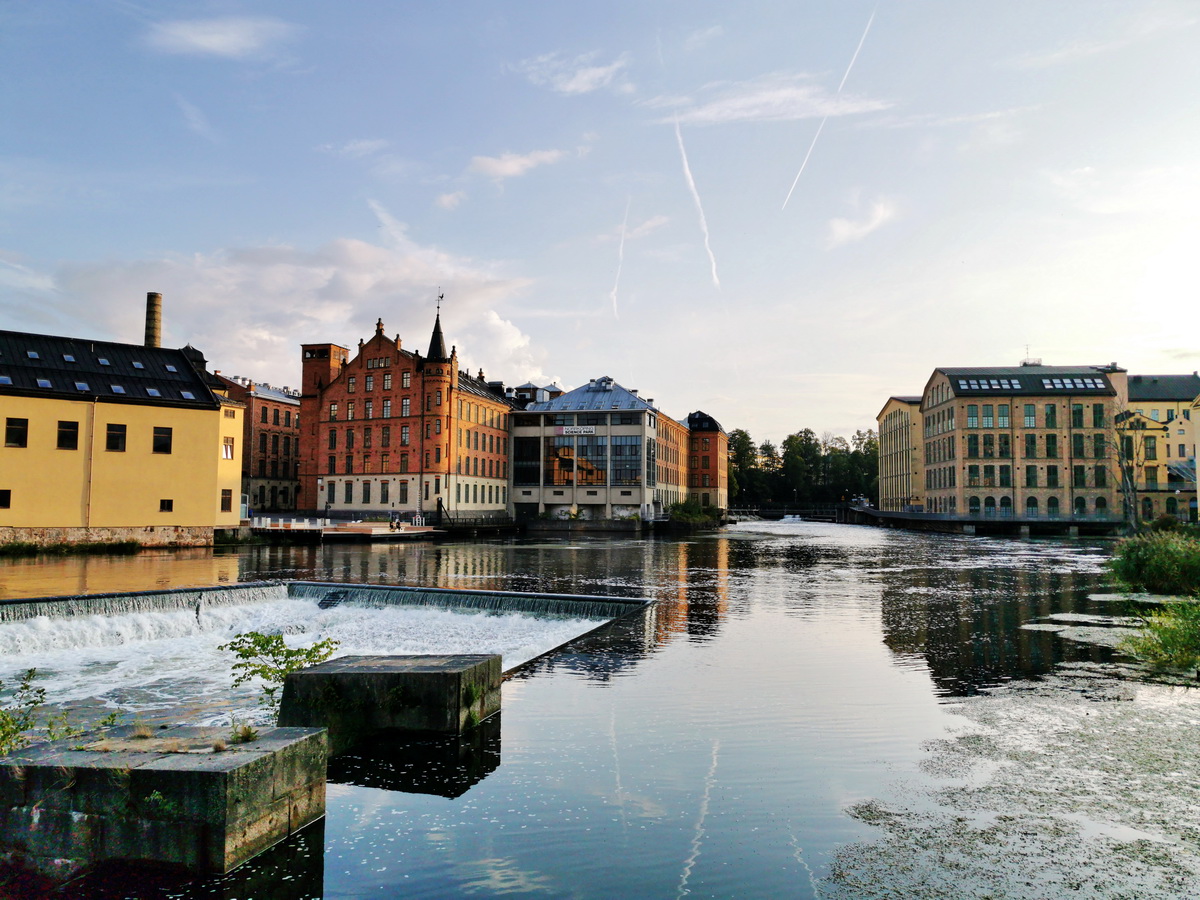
(1163, 407)
(108, 442)
(900, 461)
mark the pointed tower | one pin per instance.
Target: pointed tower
(437, 343)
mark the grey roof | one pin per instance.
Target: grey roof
(702, 421)
(1028, 380)
(472, 385)
(437, 344)
(267, 392)
(1164, 387)
(600, 393)
(45, 365)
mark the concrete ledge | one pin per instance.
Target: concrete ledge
(357, 696)
(169, 798)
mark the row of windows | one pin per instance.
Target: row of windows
(274, 413)
(480, 493)
(85, 387)
(699, 481)
(274, 443)
(70, 358)
(369, 380)
(16, 434)
(989, 506)
(485, 468)
(588, 418)
(164, 505)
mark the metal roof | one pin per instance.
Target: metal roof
(599, 394)
(45, 365)
(702, 421)
(1164, 387)
(1028, 380)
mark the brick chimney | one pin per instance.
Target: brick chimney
(153, 319)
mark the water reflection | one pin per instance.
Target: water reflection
(447, 766)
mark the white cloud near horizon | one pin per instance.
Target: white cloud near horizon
(577, 75)
(231, 37)
(512, 165)
(772, 98)
(846, 231)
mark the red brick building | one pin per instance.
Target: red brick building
(391, 431)
(708, 461)
(270, 444)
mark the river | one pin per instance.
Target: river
(806, 711)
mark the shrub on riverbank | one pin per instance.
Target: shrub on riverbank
(1161, 562)
(1170, 638)
(692, 515)
(27, 548)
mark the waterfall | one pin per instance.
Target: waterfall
(329, 594)
(141, 601)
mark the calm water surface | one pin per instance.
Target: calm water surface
(708, 747)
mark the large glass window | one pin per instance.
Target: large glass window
(1031, 476)
(592, 460)
(1052, 446)
(626, 459)
(1031, 446)
(558, 466)
(972, 415)
(1076, 415)
(527, 461)
(1051, 415)
(1150, 445)
(987, 416)
(1051, 476)
(1030, 415)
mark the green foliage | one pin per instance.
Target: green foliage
(243, 734)
(1161, 562)
(18, 716)
(803, 469)
(1170, 638)
(691, 514)
(267, 657)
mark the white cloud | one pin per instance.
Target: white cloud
(356, 149)
(577, 75)
(845, 231)
(249, 308)
(702, 37)
(510, 165)
(651, 224)
(773, 98)
(231, 37)
(196, 121)
(1139, 27)
(451, 200)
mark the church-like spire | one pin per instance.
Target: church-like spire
(437, 344)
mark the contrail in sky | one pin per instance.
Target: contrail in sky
(687, 173)
(823, 121)
(620, 260)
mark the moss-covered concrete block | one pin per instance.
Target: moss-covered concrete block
(357, 696)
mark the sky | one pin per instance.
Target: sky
(777, 213)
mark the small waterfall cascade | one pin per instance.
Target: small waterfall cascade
(142, 601)
(572, 605)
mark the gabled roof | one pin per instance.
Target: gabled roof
(702, 421)
(1028, 380)
(599, 394)
(1180, 388)
(45, 365)
(899, 398)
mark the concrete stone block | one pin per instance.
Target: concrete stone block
(357, 696)
(168, 799)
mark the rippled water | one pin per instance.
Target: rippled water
(711, 746)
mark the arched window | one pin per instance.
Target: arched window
(1031, 507)
(1101, 506)
(1080, 506)
(989, 506)
(973, 505)
(1006, 506)
(1172, 506)
(1052, 507)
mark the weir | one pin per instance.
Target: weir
(378, 596)
(68, 606)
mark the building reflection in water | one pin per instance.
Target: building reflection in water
(51, 576)
(965, 623)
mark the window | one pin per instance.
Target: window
(403, 467)
(4, 379)
(1150, 444)
(6, 499)
(1031, 476)
(1097, 415)
(1052, 446)
(275, 416)
(972, 415)
(387, 408)
(1151, 477)
(166, 505)
(1100, 474)
(333, 412)
(1051, 415)
(404, 436)
(1052, 476)
(116, 388)
(385, 436)
(972, 446)
(16, 433)
(1004, 440)
(989, 445)
(349, 410)
(1079, 476)
(162, 440)
(138, 365)
(331, 464)
(406, 380)
(987, 415)
(44, 383)
(187, 395)
(350, 384)
(387, 381)
(366, 492)
(103, 361)
(406, 406)
(349, 439)
(1099, 446)
(1077, 450)
(348, 492)
(82, 386)
(1076, 415)
(383, 491)
(275, 444)
(349, 463)
(332, 438)
(171, 368)
(227, 448)
(287, 418)
(1031, 446)
(262, 442)
(226, 500)
(114, 440)
(369, 383)
(438, 402)
(1030, 415)
(264, 415)
(1006, 476)
(32, 354)
(368, 409)
(1002, 416)
(68, 435)
(153, 392)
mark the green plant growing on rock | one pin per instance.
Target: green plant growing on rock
(17, 717)
(242, 734)
(267, 657)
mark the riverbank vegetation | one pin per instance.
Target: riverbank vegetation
(803, 469)
(267, 657)
(692, 515)
(1164, 561)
